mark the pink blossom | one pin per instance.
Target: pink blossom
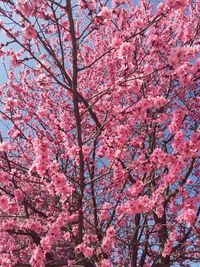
(188, 215)
(105, 12)
(13, 60)
(167, 248)
(25, 8)
(37, 259)
(67, 236)
(108, 240)
(116, 42)
(87, 251)
(104, 212)
(100, 121)
(19, 195)
(105, 263)
(4, 177)
(46, 244)
(125, 50)
(177, 120)
(176, 4)
(42, 152)
(4, 203)
(136, 188)
(5, 147)
(29, 32)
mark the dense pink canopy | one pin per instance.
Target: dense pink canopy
(99, 164)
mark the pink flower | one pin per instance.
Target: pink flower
(4, 147)
(46, 244)
(42, 152)
(104, 212)
(105, 12)
(1, 52)
(177, 120)
(125, 50)
(105, 263)
(25, 8)
(108, 241)
(116, 42)
(19, 195)
(82, 4)
(13, 60)
(87, 251)
(167, 248)
(177, 56)
(37, 260)
(75, 230)
(176, 3)
(189, 215)
(4, 177)
(67, 236)
(29, 32)
(136, 188)
(4, 203)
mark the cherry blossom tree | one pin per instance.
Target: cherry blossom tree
(99, 165)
